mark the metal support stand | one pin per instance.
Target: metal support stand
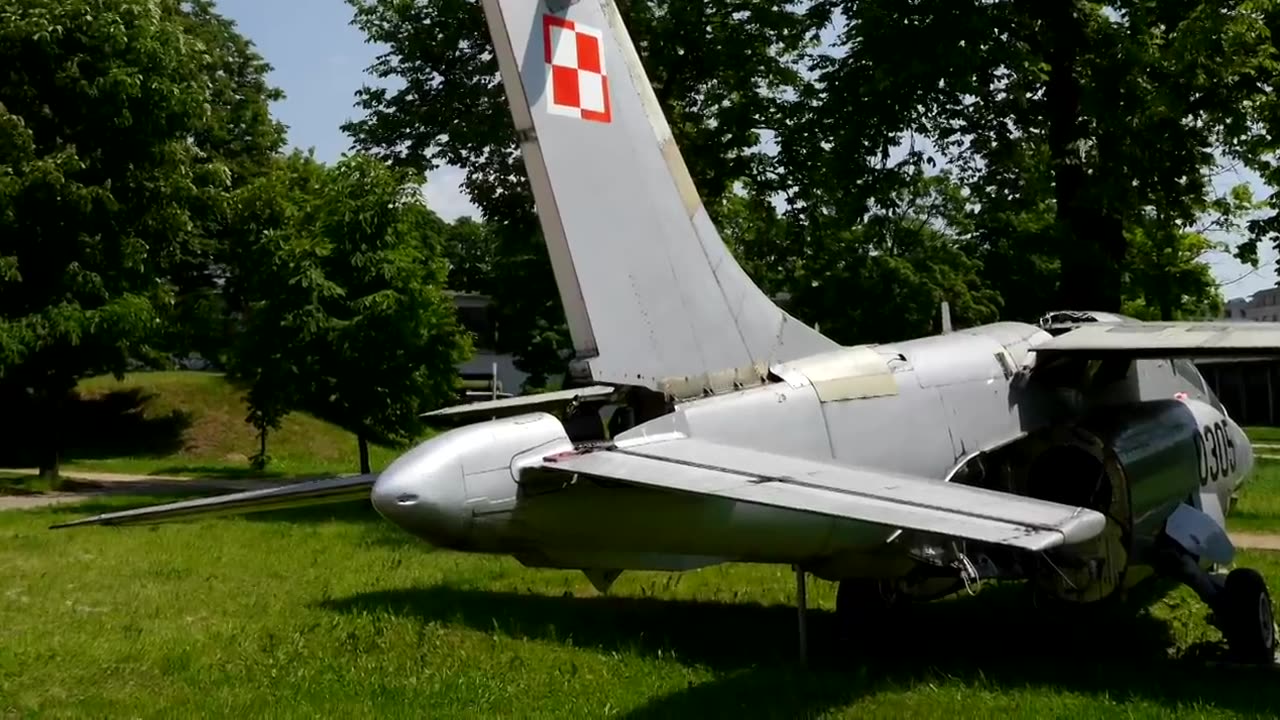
(801, 608)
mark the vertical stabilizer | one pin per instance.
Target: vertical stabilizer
(652, 295)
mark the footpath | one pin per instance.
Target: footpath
(83, 485)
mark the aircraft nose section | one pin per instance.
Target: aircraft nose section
(432, 490)
(425, 495)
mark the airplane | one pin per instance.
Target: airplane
(1083, 454)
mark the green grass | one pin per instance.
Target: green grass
(329, 612)
(193, 423)
(1263, 434)
(1258, 509)
(17, 484)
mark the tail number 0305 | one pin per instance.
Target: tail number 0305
(1216, 451)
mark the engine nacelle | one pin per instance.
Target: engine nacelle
(444, 489)
(1136, 463)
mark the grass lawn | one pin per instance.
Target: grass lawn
(1269, 435)
(329, 612)
(1259, 507)
(192, 423)
(15, 484)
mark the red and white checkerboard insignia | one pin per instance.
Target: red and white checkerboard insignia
(577, 84)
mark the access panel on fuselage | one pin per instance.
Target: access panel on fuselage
(903, 432)
(970, 375)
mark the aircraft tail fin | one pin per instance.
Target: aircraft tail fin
(652, 295)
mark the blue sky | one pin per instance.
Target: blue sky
(319, 61)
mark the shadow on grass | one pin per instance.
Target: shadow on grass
(993, 642)
(93, 428)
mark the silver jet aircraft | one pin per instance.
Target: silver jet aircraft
(1084, 454)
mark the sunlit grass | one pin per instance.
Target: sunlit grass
(1258, 509)
(1269, 435)
(331, 612)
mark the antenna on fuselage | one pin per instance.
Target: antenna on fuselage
(946, 317)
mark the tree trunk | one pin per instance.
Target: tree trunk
(1092, 245)
(50, 411)
(51, 465)
(259, 462)
(363, 442)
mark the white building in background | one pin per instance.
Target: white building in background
(1263, 306)
(487, 365)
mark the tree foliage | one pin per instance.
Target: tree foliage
(100, 181)
(239, 141)
(1074, 126)
(1079, 141)
(346, 311)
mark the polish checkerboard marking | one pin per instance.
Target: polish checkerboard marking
(577, 84)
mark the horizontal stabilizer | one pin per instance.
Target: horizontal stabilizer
(873, 496)
(543, 402)
(1167, 339)
(312, 492)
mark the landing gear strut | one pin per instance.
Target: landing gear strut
(861, 607)
(802, 602)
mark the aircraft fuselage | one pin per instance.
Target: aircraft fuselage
(921, 407)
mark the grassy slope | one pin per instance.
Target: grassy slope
(192, 423)
(341, 616)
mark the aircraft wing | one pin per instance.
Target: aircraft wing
(542, 402)
(1166, 339)
(312, 492)
(874, 496)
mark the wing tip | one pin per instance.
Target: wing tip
(1083, 525)
(323, 491)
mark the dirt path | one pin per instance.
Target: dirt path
(1255, 541)
(89, 485)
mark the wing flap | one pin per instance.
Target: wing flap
(313, 492)
(888, 499)
(1167, 339)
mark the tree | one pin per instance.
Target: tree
(348, 316)
(1168, 280)
(718, 69)
(471, 250)
(98, 181)
(881, 280)
(1105, 115)
(239, 140)
(276, 277)
(394, 340)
